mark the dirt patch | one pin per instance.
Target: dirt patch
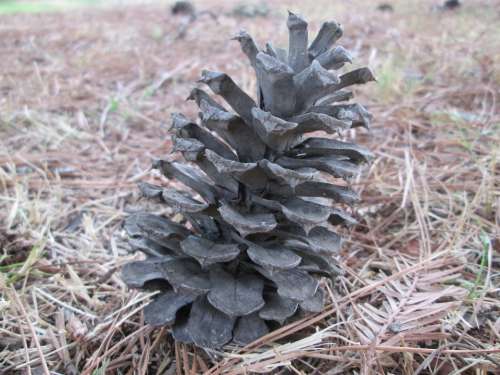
(15, 249)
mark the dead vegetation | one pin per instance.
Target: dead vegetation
(85, 106)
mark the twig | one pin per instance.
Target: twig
(32, 330)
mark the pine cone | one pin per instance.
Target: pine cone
(258, 195)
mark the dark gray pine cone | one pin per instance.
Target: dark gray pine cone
(258, 197)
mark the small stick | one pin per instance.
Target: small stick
(33, 332)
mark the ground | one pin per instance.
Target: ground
(86, 96)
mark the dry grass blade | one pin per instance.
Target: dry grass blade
(408, 309)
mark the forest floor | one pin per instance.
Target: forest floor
(85, 102)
